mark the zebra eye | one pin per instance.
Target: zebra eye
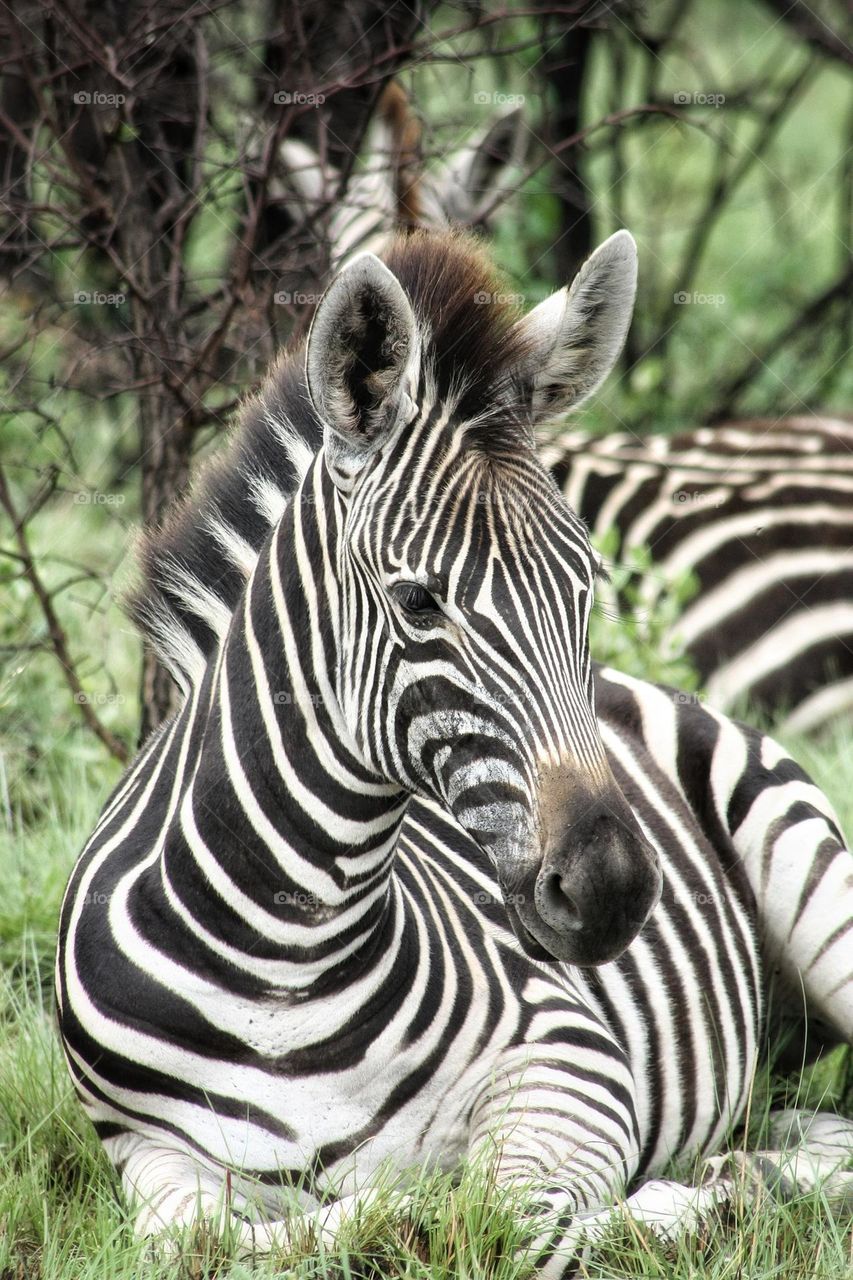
(414, 598)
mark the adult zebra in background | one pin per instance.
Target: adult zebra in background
(761, 513)
(758, 511)
(342, 910)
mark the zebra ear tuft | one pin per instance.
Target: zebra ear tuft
(361, 360)
(574, 338)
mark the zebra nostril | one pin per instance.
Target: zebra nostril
(560, 907)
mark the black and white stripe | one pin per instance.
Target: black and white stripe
(760, 512)
(344, 907)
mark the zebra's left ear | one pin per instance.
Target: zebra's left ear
(573, 338)
(361, 362)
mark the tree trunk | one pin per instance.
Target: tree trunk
(565, 69)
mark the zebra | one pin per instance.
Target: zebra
(393, 189)
(759, 513)
(756, 511)
(406, 879)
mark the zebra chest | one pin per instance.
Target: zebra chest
(344, 1091)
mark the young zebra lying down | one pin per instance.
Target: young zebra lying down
(406, 879)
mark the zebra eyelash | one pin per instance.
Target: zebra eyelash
(602, 573)
(416, 600)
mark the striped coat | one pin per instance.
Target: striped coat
(386, 888)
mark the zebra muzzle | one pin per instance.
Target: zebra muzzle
(596, 886)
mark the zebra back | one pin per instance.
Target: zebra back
(759, 512)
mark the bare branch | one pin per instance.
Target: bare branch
(56, 632)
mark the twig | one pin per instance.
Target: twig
(58, 638)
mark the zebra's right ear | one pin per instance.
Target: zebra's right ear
(468, 186)
(361, 362)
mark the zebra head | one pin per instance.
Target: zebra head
(464, 671)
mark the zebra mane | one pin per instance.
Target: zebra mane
(194, 567)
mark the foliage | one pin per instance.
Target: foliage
(627, 634)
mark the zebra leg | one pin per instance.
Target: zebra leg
(562, 1143)
(170, 1193)
(165, 1188)
(809, 1151)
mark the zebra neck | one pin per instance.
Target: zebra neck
(292, 813)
